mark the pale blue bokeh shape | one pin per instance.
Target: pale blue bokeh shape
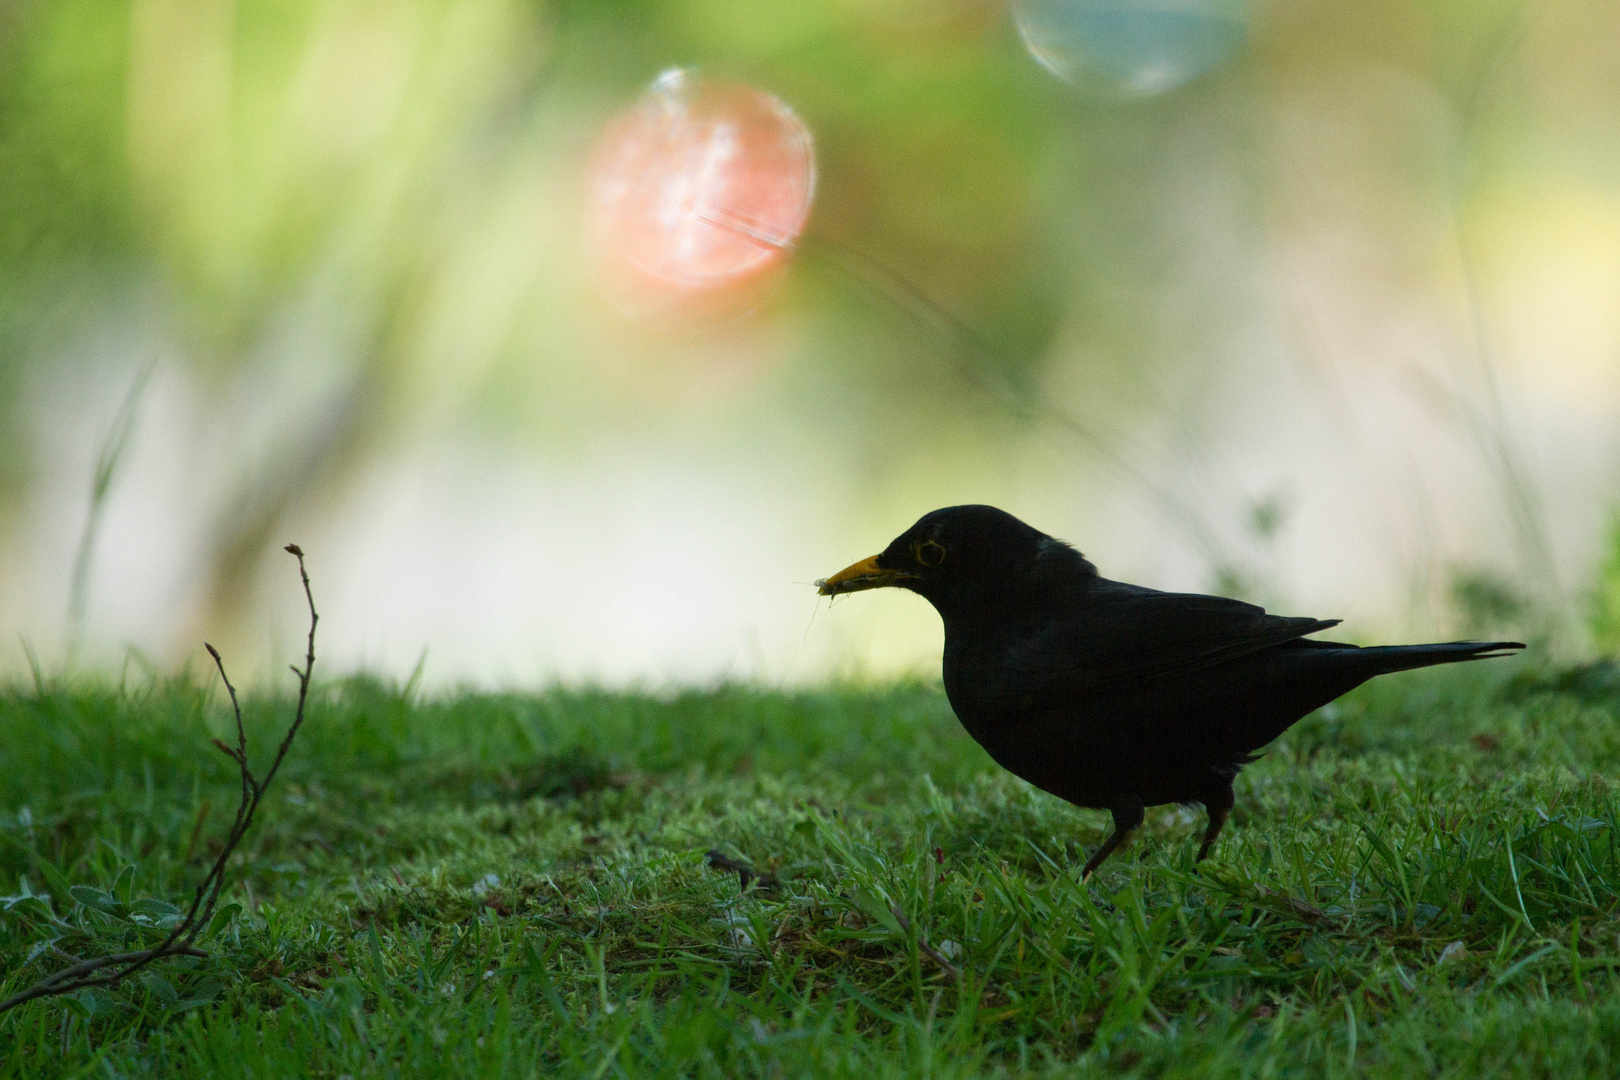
(1131, 48)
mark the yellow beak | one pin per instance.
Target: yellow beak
(866, 574)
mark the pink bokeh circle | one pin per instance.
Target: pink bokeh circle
(701, 188)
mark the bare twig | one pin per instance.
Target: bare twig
(181, 940)
(950, 969)
(1293, 905)
(745, 873)
(196, 831)
(1261, 896)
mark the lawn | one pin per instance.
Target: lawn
(1419, 880)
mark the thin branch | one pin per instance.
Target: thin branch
(196, 831)
(181, 939)
(746, 874)
(303, 676)
(950, 969)
(77, 977)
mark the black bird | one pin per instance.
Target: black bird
(1114, 696)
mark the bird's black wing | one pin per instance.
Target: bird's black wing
(1112, 637)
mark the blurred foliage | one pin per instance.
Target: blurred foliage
(65, 210)
(1487, 602)
(1605, 610)
(66, 196)
(354, 222)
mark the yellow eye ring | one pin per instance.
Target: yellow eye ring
(930, 553)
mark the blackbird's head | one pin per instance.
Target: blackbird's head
(960, 558)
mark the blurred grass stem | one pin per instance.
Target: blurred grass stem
(968, 353)
(109, 457)
(1487, 417)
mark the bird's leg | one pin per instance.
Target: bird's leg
(1128, 814)
(1219, 804)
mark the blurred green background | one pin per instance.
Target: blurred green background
(1329, 319)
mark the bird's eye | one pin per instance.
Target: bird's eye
(930, 553)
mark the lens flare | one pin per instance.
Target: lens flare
(700, 189)
(1130, 48)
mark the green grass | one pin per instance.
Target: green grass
(1420, 880)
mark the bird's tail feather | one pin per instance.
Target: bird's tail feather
(1390, 658)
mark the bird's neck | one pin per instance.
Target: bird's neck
(1011, 603)
(967, 620)
(972, 626)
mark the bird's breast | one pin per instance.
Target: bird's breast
(991, 699)
(1069, 750)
